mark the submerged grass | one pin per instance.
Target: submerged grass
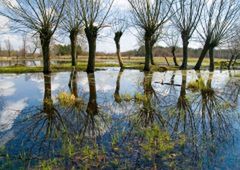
(196, 85)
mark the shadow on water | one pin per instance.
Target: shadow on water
(185, 121)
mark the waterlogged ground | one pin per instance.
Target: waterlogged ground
(120, 120)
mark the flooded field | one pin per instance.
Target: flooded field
(28, 63)
(120, 119)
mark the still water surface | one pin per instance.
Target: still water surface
(123, 119)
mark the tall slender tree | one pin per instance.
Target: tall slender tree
(94, 14)
(186, 16)
(119, 27)
(234, 48)
(72, 24)
(148, 17)
(8, 47)
(171, 39)
(24, 45)
(38, 16)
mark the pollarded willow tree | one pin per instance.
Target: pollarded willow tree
(38, 16)
(220, 18)
(149, 16)
(72, 24)
(94, 14)
(186, 16)
(155, 38)
(234, 47)
(119, 27)
(171, 39)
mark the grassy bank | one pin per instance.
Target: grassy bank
(102, 62)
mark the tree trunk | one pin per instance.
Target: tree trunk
(148, 110)
(73, 39)
(202, 56)
(91, 33)
(45, 42)
(47, 101)
(148, 53)
(174, 56)
(211, 57)
(231, 61)
(117, 90)
(235, 60)
(185, 52)
(92, 107)
(152, 56)
(117, 38)
(73, 83)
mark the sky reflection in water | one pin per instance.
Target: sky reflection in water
(113, 109)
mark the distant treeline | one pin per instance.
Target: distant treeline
(65, 50)
(165, 51)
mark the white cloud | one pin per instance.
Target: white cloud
(10, 113)
(4, 23)
(122, 3)
(7, 88)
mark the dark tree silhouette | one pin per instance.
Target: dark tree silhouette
(217, 27)
(149, 17)
(39, 16)
(94, 14)
(72, 24)
(186, 16)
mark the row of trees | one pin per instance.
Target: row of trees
(214, 21)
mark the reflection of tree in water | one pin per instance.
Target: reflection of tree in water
(214, 110)
(183, 108)
(73, 86)
(145, 132)
(39, 127)
(48, 130)
(2, 103)
(117, 96)
(232, 89)
(90, 120)
(203, 115)
(147, 112)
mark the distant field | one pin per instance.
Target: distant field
(63, 63)
(113, 60)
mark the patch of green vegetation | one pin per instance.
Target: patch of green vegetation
(158, 141)
(141, 97)
(126, 97)
(237, 75)
(66, 99)
(158, 146)
(196, 85)
(199, 85)
(20, 69)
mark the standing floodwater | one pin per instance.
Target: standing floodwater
(123, 119)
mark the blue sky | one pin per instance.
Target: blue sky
(104, 43)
